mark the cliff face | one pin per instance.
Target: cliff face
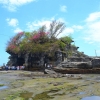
(70, 57)
(68, 61)
(36, 60)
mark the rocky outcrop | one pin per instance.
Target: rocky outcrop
(76, 62)
(36, 60)
(77, 70)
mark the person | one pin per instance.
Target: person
(13, 68)
(17, 67)
(22, 67)
(45, 65)
(48, 66)
(9, 68)
(6, 68)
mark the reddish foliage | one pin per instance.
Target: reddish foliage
(38, 36)
(12, 46)
(20, 33)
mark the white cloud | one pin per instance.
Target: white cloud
(36, 24)
(93, 17)
(12, 5)
(71, 30)
(17, 30)
(12, 22)
(92, 28)
(63, 8)
(67, 31)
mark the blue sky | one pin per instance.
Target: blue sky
(81, 17)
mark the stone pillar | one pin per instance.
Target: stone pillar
(26, 60)
(59, 57)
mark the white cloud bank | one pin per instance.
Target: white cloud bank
(12, 5)
(37, 24)
(31, 26)
(93, 17)
(92, 28)
(67, 31)
(71, 30)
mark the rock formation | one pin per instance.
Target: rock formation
(38, 49)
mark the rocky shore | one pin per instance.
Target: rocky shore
(77, 70)
(28, 85)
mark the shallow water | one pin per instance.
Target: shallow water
(92, 98)
(3, 87)
(82, 93)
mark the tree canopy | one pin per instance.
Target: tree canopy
(41, 40)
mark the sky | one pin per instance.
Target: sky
(81, 17)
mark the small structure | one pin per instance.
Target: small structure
(96, 62)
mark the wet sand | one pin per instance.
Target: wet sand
(27, 85)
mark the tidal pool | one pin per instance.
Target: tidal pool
(3, 87)
(92, 98)
(82, 93)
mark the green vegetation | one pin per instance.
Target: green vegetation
(26, 95)
(38, 41)
(1, 85)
